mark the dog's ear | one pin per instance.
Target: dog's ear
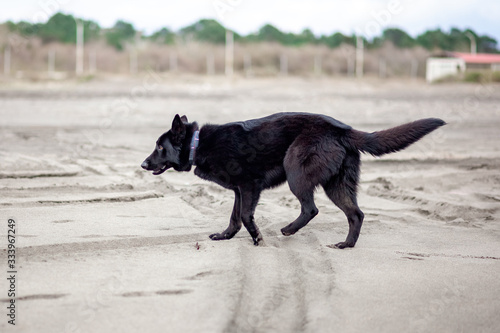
(184, 119)
(178, 129)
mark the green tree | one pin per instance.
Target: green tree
(24, 28)
(433, 39)
(305, 37)
(163, 36)
(62, 27)
(91, 30)
(459, 40)
(336, 39)
(487, 44)
(270, 33)
(205, 30)
(456, 40)
(398, 37)
(59, 27)
(120, 33)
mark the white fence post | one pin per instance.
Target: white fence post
(229, 52)
(359, 56)
(79, 47)
(6, 60)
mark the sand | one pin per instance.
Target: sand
(105, 246)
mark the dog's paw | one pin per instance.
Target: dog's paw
(258, 241)
(218, 236)
(343, 245)
(287, 231)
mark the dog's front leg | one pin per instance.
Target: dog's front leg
(249, 199)
(235, 221)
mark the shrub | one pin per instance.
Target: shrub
(474, 77)
(495, 77)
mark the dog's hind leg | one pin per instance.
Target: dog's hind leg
(341, 189)
(308, 210)
(309, 162)
(302, 186)
(235, 221)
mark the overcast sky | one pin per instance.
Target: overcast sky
(367, 17)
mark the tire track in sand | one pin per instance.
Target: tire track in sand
(285, 286)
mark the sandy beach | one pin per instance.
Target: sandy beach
(102, 245)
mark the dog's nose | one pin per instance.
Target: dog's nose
(145, 165)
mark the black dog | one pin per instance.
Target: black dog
(306, 150)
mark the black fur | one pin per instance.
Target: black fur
(305, 150)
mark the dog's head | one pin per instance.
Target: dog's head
(171, 150)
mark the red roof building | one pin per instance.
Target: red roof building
(478, 58)
(453, 63)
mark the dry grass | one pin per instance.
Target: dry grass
(29, 57)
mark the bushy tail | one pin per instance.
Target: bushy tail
(393, 139)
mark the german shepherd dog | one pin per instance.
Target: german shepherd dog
(305, 150)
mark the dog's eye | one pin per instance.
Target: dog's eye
(160, 147)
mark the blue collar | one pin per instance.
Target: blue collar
(194, 144)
